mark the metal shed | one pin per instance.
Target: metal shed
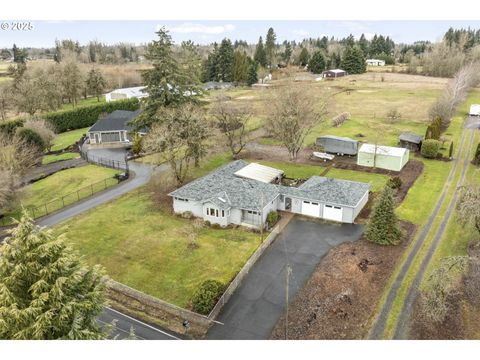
(383, 157)
(410, 141)
(338, 145)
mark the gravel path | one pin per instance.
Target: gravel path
(378, 328)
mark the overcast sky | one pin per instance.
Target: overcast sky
(45, 32)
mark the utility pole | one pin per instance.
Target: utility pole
(287, 281)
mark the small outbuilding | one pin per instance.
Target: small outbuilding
(474, 110)
(335, 73)
(375, 62)
(113, 128)
(383, 157)
(126, 93)
(338, 145)
(411, 141)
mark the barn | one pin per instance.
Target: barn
(383, 157)
(335, 73)
(338, 145)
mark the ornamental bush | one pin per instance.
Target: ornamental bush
(207, 296)
(272, 218)
(394, 182)
(430, 148)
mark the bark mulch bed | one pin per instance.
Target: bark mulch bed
(340, 298)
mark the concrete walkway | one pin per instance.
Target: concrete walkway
(255, 307)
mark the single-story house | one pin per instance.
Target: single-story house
(334, 73)
(126, 93)
(383, 157)
(244, 194)
(375, 62)
(338, 145)
(411, 141)
(113, 128)
(474, 110)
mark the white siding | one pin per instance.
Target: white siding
(179, 207)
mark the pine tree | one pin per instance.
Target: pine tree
(45, 290)
(252, 77)
(19, 55)
(95, 83)
(240, 66)
(353, 60)
(225, 61)
(260, 55)
(304, 57)
(382, 227)
(317, 63)
(270, 47)
(287, 54)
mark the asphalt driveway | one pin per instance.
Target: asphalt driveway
(259, 302)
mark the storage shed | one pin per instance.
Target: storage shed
(338, 145)
(383, 157)
(334, 73)
(138, 92)
(410, 141)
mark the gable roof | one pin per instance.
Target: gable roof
(226, 190)
(383, 150)
(411, 137)
(115, 121)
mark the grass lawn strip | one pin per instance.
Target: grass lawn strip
(49, 159)
(68, 138)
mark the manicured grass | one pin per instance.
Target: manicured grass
(149, 250)
(65, 184)
(48, 159)
(291, 170)
(68, 138)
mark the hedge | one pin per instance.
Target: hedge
(9, 127)
(84, 116)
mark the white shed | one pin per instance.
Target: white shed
(384, 157)
(126, 93)
(474, 110)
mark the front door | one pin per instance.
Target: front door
(288, 204)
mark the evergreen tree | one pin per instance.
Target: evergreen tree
(95, 83)
(353, 60)
(260, 55)
(270, 47)
(317, 63)
(225, 61)
(287, 54)
(450, 150)
(19, 55)
(210, 65)
(363, 43)
(240, 66)
(304, 57)
(252, 77)
(382, 227)
(167, 84)
(476, 158)
(46, 292)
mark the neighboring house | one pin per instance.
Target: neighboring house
(338, 145)
(383, 157)
(375, 62)
(474, 110)
(244, 194)
(334, 73)
(113, 128)
(126, 93)
(410, 141)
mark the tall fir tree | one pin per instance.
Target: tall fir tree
(270, 47)
(317, 63)
(382, 227)
(225, 61)
(240, 67)
(353, 60)
(287, 54)
(46, 292)
(95, 83)
(252, 77)
(260, 55)
(303, 57)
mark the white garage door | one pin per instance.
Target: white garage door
(311, 208)
(331, 212)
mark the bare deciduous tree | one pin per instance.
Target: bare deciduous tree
(42, 128)
(16, 155)
(232, 121)
(294, 113)
(8, 184)
(468, 206)
(6, 100)
(180, 138)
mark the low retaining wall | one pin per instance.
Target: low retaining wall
(150, 309)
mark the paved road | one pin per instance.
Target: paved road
(259, 302)
(142, 331)
(377, 331)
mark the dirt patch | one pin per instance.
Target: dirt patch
(339, 299)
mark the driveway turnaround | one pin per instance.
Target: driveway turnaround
(258, 303)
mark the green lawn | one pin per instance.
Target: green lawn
(149, 250)
(65, 184)
(48, 159)
(68, 138)
(84, 102)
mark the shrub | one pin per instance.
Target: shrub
(137, 145)
(207, 223)
(393, 115)
(32, 138)
(430, 148)
(84, 116)
(340, 119)
(9, 127)
(394, 182)
(272, 218)
(187, 215)
(207, 296)
(382, 227)
(215, 226)
(42, 128)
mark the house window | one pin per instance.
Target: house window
(216, 213)
(211, 212)
(110, 136)
(180, 199)
(223, 213)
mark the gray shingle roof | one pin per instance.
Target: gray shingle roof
(115, 121)
(226, 190)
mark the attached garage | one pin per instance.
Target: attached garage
(311, 208)
(333, 212)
